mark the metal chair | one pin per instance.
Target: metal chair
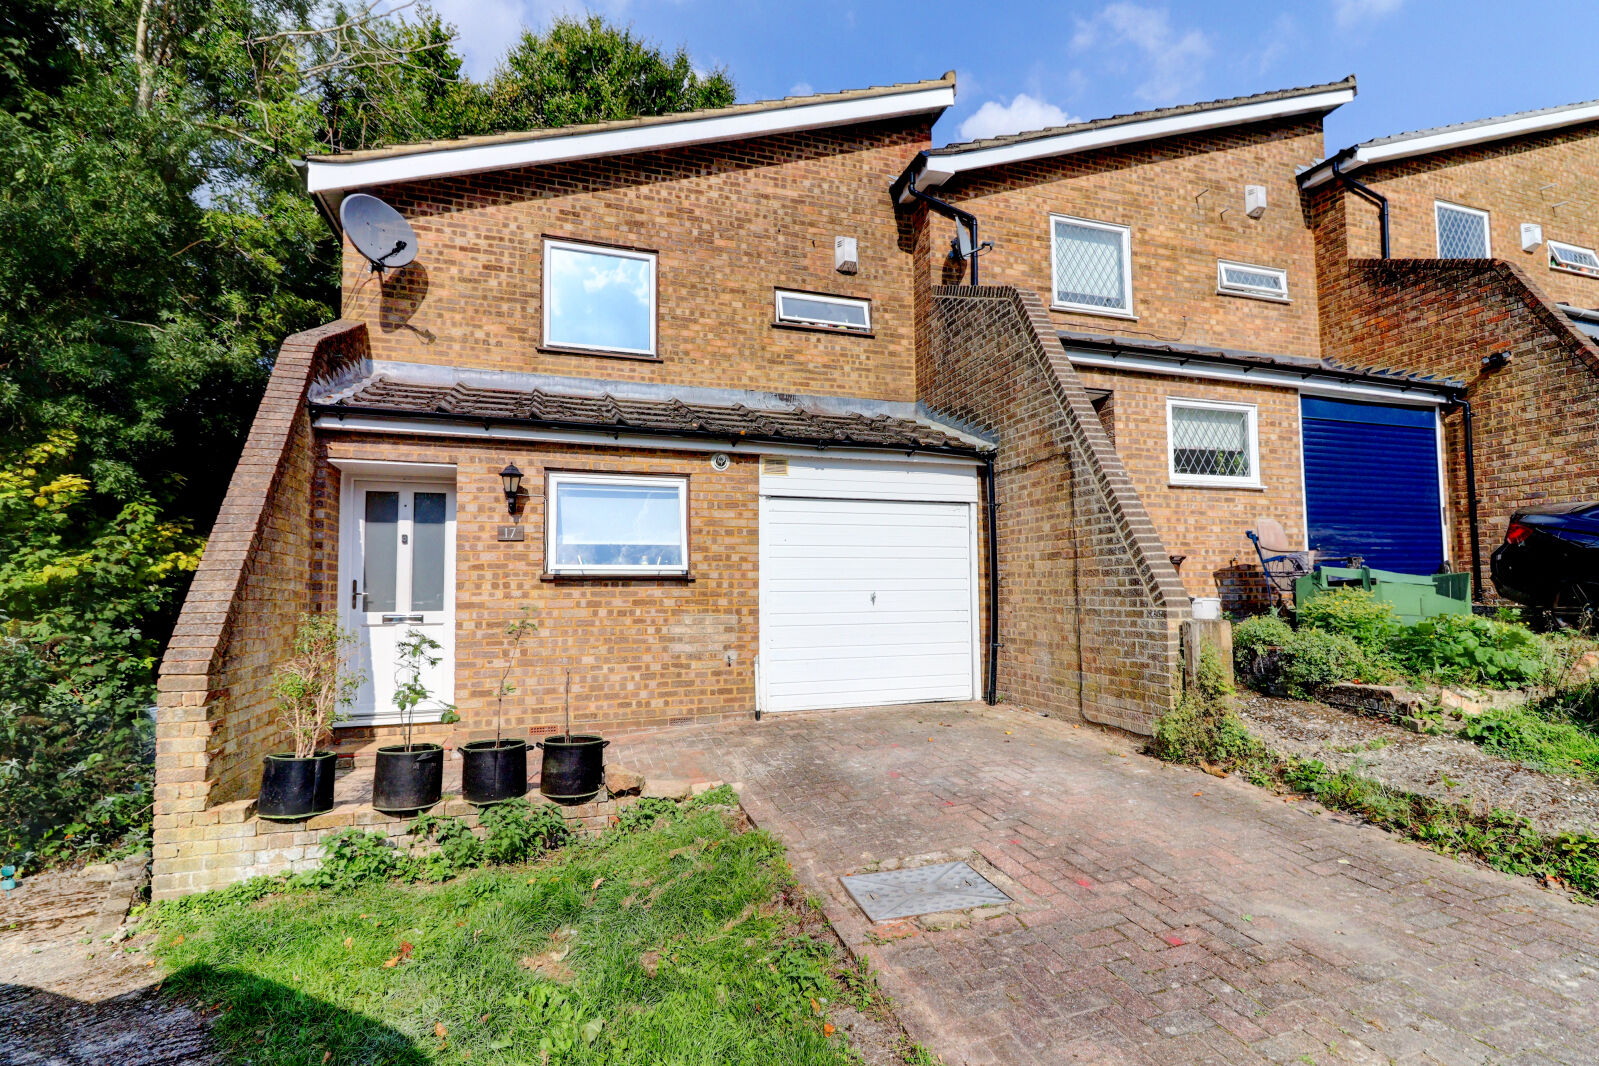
(1282, 564)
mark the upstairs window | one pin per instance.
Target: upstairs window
(1092, 266)
(1574, 259)
(1462, 232)
(614, 524)
(1241, 279)
(599, 299)
(827, 312)
(1213, 443)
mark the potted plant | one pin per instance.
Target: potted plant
(495, 770)
(312, 690)
(410, 776)
(573, 767)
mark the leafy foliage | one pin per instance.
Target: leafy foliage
(1202, 727)
(1471, 649)
(1354, 613)
(1253, 635)
(414, 655)
(1549, 742)
(1313, 658)
(314, 687)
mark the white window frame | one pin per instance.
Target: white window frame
(1251, 412)
(1438, 231)
(842, 301)
(1223, 286)
(1590, 272)
(618, 253)
(1127, 269)
(555, 478)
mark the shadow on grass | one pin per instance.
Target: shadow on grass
(271, 1024)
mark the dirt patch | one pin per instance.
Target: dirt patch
(1442, 767)
(69, 995)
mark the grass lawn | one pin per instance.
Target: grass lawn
(1543, 739)
(685, 942)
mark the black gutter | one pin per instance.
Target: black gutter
(1402, 384)
(1373, 196)
(991, 693)
(732, 440)
(1471, 499)
(906, 183)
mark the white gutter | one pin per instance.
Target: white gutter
(422, 427)
(937, 169)
(1308, 381)
(1425, 143)
(328, 174)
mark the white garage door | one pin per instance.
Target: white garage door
(866, 601)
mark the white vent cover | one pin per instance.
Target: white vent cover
(1531, 236)
(1254, 200)
(846, 255)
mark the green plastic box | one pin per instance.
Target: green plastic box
(1413, 596)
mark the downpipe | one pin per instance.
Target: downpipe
(991, 688)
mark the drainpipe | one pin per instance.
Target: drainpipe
(1471, 498)
(962, 218)
(991, 695)
(1370, 194)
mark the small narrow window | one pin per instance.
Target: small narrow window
(1092, 266)
(612, 524)
(599, 299)
(1462, 232)
(1212, 443)
(1242, 279)
(829, 312)
(1574, 259)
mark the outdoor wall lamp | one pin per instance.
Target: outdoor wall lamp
(511, 479)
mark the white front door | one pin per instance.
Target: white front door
(866, 601)
(398, 575)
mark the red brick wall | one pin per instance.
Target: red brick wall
(730, 222)
(643, 653)
(1089, 604)
(1546, 178)
(1183, 197)
(1534, 419)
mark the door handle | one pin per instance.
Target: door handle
(355, 594)
(397, 619)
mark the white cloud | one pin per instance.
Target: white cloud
(1025, 112)
(1284, 33)
(488, 28)
(1352, 13)
(1173, 60)
(800, 88)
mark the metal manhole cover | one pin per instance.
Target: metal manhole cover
(949, 886)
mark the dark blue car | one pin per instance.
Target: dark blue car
(1550, 560)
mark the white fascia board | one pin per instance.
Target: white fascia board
(940, 168)
(328, 175)
(1307, 381)
(1462, 138)
(423, 427)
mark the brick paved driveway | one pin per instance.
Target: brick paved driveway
(1169, 917)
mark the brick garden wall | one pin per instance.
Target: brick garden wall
(729, 222)
(1535, 419)
(215, 714)
(644, 653)
(1089, 605)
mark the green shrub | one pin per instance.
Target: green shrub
(1313, 658)
(1202, 727)
(1472, 650)
(1254, 635)
(356, 857)
(1547, 742)
(517, 831)
(1354, 613)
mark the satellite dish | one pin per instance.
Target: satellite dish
(378, 231)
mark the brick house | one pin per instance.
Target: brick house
(1468, 251)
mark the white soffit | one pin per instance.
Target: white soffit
(325, 175)
(937, 169)
(1424, 142)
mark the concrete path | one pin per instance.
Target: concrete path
(1165, 916)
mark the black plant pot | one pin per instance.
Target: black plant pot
(294, 788)
(493, 770)
(573, 768)
(408, 778)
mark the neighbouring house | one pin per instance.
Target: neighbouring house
(1176, 274)
(1469, 251)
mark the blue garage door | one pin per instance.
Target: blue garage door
(1371, 483)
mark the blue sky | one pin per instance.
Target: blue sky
(1025, 65)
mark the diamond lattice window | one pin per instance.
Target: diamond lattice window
(1211, 444)
(1242, 279)
(1571, 257)
(1091, 271)
(1462, 232)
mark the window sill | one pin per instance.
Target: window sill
(1254, 296)
(379, 721)
(681, 579)
(557, 349)
(805, 327)
(1097, 312)
(1571, 270)
(1240, 486)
